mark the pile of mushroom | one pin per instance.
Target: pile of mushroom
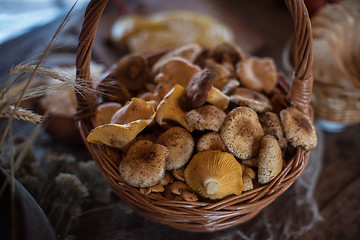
(197, 123)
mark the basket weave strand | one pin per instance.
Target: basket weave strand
(199, 216)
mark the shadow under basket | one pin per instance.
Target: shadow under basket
(200, 216)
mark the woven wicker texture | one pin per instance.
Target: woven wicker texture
(200, 216)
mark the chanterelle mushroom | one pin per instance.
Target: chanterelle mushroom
(241, 132)
(180, 144)
(270, 159)
(298, 128)
(104, 113)
(217, 98)
(144, 164)
(199, 86)
(169, 108)
(128, 125)
(250, 98)
(259, 74)
(214, 174)
(207, 117)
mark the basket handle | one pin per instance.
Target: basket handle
(302, 81)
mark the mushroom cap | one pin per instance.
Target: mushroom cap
(169, 108)
(221, 74)
(119, 135)
(104, 113)
(210, 141)
(217, 98)
(144, 164)
(180, 144)
(298, 128)
(214, 174)
(241, 132)
(177, 71)
(199, 86)
(230, 85)
(270, 159)
(189, 52)
(250, 98)
(134, 110)
(133, 71)
(207, 117)
(227, 52)
(272, 126)
(259, 74)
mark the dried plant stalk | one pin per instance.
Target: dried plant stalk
(20, 114)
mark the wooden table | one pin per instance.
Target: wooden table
(263, 28)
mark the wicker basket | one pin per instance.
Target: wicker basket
(199, 216)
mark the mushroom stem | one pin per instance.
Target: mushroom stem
(211, 186)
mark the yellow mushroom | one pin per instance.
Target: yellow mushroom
(104, 113)
(214, 174)
(128, 123)
(217, 98)
(169, 108)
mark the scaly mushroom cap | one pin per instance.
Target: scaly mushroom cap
(199, 86)
(272, 126)
(214, 174)
(104, 113)
(259, 74)
(177, 71)
(270, 159)
(210, 141)
(298, 128)
(180, 144)
(133, 71)
(119, 135)
(241, 132)
(169, 108)
(252, 99)
(207, 117)
(144, 164)
(189, 52)
(217, 98)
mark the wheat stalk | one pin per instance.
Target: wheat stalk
(20, 114)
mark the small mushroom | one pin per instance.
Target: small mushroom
(298, 128)
(230, 85)
(178, 187)
(241, 132)
(217, 98)
(248, 184)
(248, 171)
(167, 179)
(272, 126)
(214, 174)
(133, 71)
(153, 189)
(259, 74)
(144, 164)
(207, 117)
(270, 159)
(211, 141)
(179, 174)
(128, 125)
(177, 71)
(199, 86)
(104, 113)
(189, 196)
(221, 74)
(180, 144)
(250, 98)
(169, 108)
(189, 52)
(227, 52)
(252, 162)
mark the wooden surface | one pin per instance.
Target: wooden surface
(263, 27)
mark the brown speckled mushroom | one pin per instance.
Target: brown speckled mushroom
(241, 132)
(298, 128)
(198, 87)
(249, 98)
(270, 159)
(144, 164)
(259, 74)
(272, 126)
(207, 117)
(180, 144)
(221, 74)
(210, 141)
